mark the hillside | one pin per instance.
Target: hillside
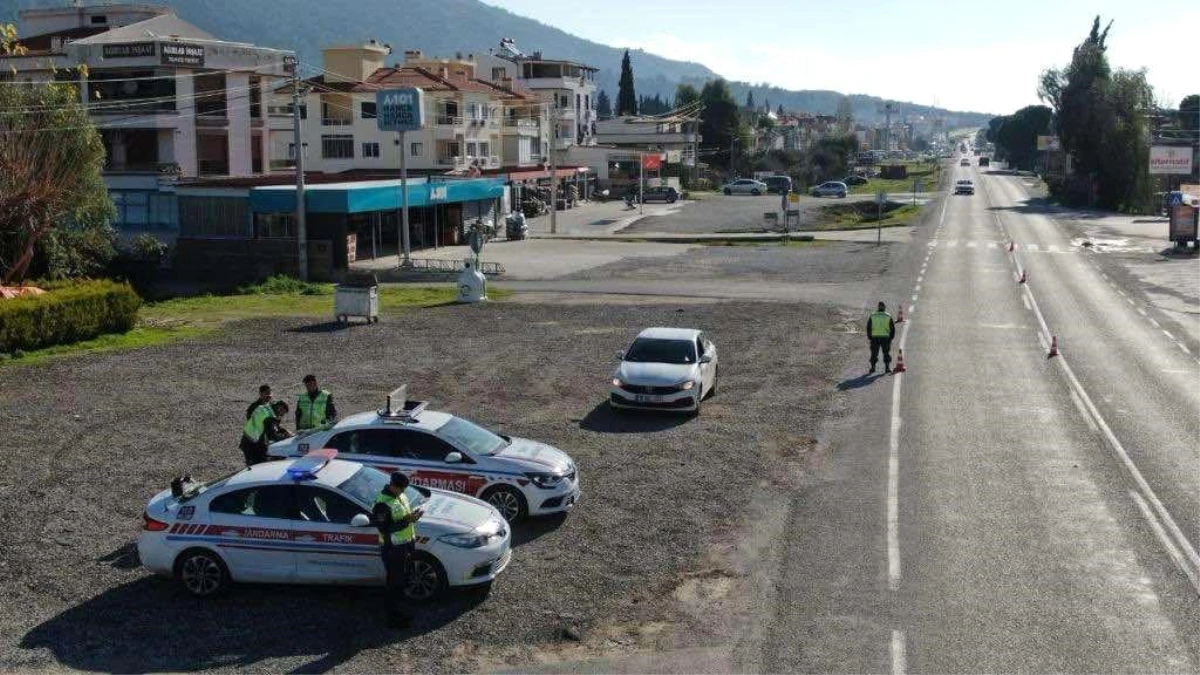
(443, 27)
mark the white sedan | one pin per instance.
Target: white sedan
(518, 476)
(305, 521)
(745, 186)
(665, 369)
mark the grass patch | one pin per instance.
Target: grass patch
(142, 336)
(864, 215)
(795, 241)
(929, 174)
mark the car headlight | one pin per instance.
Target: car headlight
(686, 386)
(617, 382)
(465, 540)
(545, 480)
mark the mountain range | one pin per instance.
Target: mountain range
(445, 27)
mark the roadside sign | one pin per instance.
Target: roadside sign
(1048, 143)
(1174, 198)
(881, 197)
(400, 109)
(794, 197)
(1171, 159)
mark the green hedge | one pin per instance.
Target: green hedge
(67, 313)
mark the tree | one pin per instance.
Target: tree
(1017, 135)
(779, 112)
(720, 121)
(685, 95)
(1101, 119)
(603, 105)
(994, 125)
(1189, 114)
(50, 161)
(749, 99)
(627, 103)
(845, 114)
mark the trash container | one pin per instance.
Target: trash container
(358, 296)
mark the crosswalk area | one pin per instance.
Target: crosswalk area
(1041, 248)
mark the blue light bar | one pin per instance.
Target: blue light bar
(306, 467)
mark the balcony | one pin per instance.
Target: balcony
(521, 127)
(337, 121)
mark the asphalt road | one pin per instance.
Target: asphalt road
(993, 509)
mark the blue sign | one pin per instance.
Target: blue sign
(1174, 199)
(400, 109)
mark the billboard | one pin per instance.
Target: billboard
(400, 109)
(1170, 159)
(1048, 143)
(182, 54)
(652, 162)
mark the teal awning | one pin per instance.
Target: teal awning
(376, 195)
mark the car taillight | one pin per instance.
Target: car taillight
(151, 525)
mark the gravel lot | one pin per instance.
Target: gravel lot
(729, 214)
(90, 439)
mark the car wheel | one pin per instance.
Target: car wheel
(201, 572)
(728, 191)
(712, 390)
(756, 192)
(841, 195)
(508, 501)
(426, 580)
(699, 404)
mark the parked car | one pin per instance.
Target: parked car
(518, 476)
(665, 369)
(855, 180)
(965, 162)
(831, 188)
(662, 193)
(745, 186)
(964, 187)
(778, 184)
(985, 161)
(307, 521)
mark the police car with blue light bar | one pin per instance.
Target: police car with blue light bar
(307, 521)
(518, 476)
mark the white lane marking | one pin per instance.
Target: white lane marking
(1184, 348)
(914, 297)
(1027, 305)
(1168, 334)
(952, 243)
(1140, 481)
(1141, 311)
(1154, 323)
(1032, 247)
(899, 653)
(1172, 549)
(991, 244)
(920, 278)
(971, 244)
(917, 289)
(893, 484)
(1052, 248)
(1083, 411)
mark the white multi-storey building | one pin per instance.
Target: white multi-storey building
(472, 125)
(170, 100)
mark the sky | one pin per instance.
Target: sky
(970, 55)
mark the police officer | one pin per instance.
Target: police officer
(262, 428)
(396, 521)
(880, 330)
(315, 406)
(264, 396)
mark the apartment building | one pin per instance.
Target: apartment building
(472, 125)
(170, 100)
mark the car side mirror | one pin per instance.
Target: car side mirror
(706, 358)
(454, 458)
(360, 520)
(620, 355)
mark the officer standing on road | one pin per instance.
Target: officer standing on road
(262, 428)
(315, 406)
(264, 396)
(396, 521)
(881, 329)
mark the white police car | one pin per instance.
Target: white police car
(306, 521)
(518, 476)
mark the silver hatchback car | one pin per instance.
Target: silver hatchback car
(831, 188)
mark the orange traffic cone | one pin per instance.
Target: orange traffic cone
(899, 362)
(1053, 347)
(900, 315)
(1023, 278)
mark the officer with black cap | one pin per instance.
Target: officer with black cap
(396, 521)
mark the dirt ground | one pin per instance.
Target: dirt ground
(639, 562)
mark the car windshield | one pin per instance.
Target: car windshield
(193, 490)
(655, 350)
(366, 484)
(474, 438)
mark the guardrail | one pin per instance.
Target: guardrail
(445, 265)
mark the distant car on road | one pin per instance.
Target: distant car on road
(964, 187)
(965, 162)
(665, 369)
(985, 161)
(662, 193)
(745, 186)
(855, 180)
(778, 184)
(831, 188)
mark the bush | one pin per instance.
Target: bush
(282, 284)
(67, 313)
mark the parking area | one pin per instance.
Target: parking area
(658, 521)
(728, 214)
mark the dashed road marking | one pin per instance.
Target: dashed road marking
(1168, 334)
(1184, 348)
(1154, 323)
(899, 653)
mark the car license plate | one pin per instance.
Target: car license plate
(644, 398)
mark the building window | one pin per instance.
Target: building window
(471, 149)
(99, 20)
(367, 110)
(483, 150)
(565, 101)
(274, 226)
(499, 74)
(337, 147)
(416, 149)
(370, 150)
(473, 111)
(578, 101)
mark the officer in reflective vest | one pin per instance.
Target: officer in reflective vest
(880, 330)
(396, 521)
(315, 406)
(261, 428)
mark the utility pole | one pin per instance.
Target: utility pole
(641, 183)
(301, 207)
(553, 167)
(407, 260)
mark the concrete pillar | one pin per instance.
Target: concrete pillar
(184, 147)
(264, 87)
(237, 112)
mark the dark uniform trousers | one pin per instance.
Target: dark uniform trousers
(255, 452)
(397, 560)
(884, 343)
